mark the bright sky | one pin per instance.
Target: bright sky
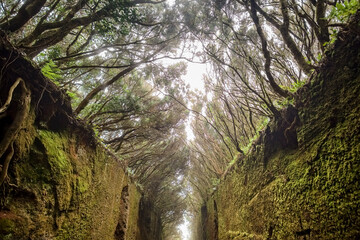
(184, 228)
(171, 2)
(194, 75)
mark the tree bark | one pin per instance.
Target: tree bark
(36, 34)
(28, 10)
(12, 131)
(6, 164)
(101, 87)
(323, 32)
(9, 98)
(277, 89)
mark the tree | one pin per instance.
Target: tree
(88, 47)
(106, 54)
(235, 39)
(46, 23)
(85, 36)
(261, 52)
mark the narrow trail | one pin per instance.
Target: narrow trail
(168, 120)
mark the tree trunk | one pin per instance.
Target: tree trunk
(277, 89)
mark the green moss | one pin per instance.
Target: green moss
(236, 235)
(132, 232)
(35, 170)
(313, 189)
(56, 150)
(26, 137)
(7, 226)
(82, 184)
(78, 229)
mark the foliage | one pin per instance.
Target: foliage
(296, 85)
(51, 71)
(333, 37)
(261, 53)
(105, 54)
(343, 10)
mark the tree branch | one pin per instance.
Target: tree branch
(104, 85)
(28, 10)
(277, 89)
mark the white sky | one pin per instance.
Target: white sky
(194, 76)
(171, 2)
(184, 228)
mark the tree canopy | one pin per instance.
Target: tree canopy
(110, 56)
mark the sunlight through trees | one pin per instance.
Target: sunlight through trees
(178, 90)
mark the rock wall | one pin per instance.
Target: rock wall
(66, 189)
(149, 221)
(61, 182)
(309, 188)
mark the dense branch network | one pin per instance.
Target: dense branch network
(109, 56)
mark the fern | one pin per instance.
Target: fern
(51, 71)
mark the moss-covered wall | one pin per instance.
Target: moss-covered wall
(64, 188)
(311, 191)
(62, 183)
(149, 221)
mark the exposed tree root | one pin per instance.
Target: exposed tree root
(8, 100)
(6, 164)
(290, 128)
(6, 143)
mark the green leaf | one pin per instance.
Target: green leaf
(51, 71)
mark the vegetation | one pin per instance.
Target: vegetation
(111, 57)
(261, 52)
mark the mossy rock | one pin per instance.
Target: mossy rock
(7, 226)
